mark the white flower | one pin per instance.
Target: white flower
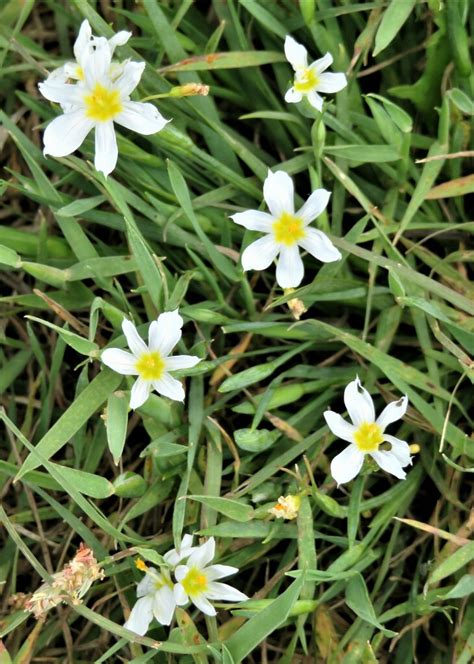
(155, 590)
(366, 434)
(286, 231)
(155, 600)
(96, 103)
(158, 596)
(197, 580)
(151, 363)
(310, 79)
(83, 47)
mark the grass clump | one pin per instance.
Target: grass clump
(94, 494)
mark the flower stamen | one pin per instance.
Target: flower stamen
(102, 104)
(195, 582)
(368, 437)
(288, 229)
(306, 81)
(150, 366)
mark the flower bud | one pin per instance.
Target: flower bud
(189, 90)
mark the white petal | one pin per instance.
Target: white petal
(260, 254)
(290, 268)
(359, 403)
(278, 192)
(96, 63)
(140, 392)
(400, 449)
(147, 584)
(292, 96)
(180, 573)
(169, 387)
(203, 605)
(181, 362)
(129, 78)
(106, 151)
(320, 246)
(119, 39)
(143, 118)
(225, 592)
(180, 596)
(165, 332)
(134, 340)
(392, 412)
(185, 549)
(60, 74)
(164, 605)
(120, 361)
(203, 554)
(390, 463)
(141, 616)
(323, 63)
(331, 82)
(72, 70)
(56, 90)
(315, 100)
(339, 426)
(316, 203)
(346, 465)
(83, 41)
(214, 572)
(295, 53)
(254, 220)
(66, 133)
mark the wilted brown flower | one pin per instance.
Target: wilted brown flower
(71, 583)
(295, 305)
(287, 507)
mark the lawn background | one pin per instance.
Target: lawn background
(386, 562)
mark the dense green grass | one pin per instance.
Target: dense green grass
(387, 562)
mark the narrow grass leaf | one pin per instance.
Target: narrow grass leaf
(116, 423)
(78, 413)
(394, 17)
(357, 599)
(229, 60)
(233, 509)
(263, 624)
(452, 564)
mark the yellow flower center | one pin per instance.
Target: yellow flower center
(195, 582)
(102, 104)
(306, 81)
(288, 229)
(150, 366)
(368, 437)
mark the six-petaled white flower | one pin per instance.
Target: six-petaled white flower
(101, 99)
(197, 580)
(155, 600)
(310, 79)
(286, 231)
(155, 591)
(366, 434)
(151, 363)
